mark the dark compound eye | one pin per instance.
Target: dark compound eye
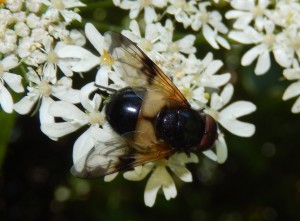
(210, 133)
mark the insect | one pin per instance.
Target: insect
(151, 116)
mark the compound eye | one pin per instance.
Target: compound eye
(210, 133)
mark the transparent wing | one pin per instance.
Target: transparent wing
(138, 69)
(108, 158)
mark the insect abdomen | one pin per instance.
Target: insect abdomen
(181, 128)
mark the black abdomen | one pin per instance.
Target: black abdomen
(180, 128)
(123, 109)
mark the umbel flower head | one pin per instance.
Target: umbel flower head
(95, 148)
(34, 34)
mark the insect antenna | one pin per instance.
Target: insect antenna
(106, 88)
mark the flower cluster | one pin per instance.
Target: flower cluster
(271, 27)
(34, 35)
(177, 59)
(29, 40)
(193, 14)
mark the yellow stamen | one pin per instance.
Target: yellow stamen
(106, 59)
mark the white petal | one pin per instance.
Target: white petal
(67, 110)
(150, 15)
(210, 154)
(70, 15)
(94, 37)
(65, 69)
(159, 178)
(49, 72)
(238, 128)
(222, 41)
(44, 113)
(9, 62)
(209, 35)
(110, 177)
(13, 81)
(292, 73)
(25, 105)
(69, 95)
(84, 97)
(247, 36)
(213, 67)
(252, 54)
(32, 76)
(296, 106)
(102, 76)
(6, 100)
(183, 173)
(221, 149)
(263, 63)
(216, 81)
(238, 109)
(292, 91)
(81, 148)
(56, 130)
(283, 56)
(139, 172)
(86, 62)
(226, 94)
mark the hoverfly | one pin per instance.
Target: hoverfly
(151, 116)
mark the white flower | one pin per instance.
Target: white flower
(8, 41)
(160, 177)
(287, 48)
(11, 79)
(150, 43)
(74, 118)
(41, 90)
(21, 29)
(184, 45)
(56, 7)
(182, 10)
(285, 14)
(53, 60)
(33, 5)
(87, 60)
(148, 6)
(247, 11)
(227, 117)
(211, 24)
(14, 5)
(264, 44)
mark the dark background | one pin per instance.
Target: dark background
(259, 181)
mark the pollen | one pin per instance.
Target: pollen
(106, 59)
(45, 88)
(96, 118)
(52, 57)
